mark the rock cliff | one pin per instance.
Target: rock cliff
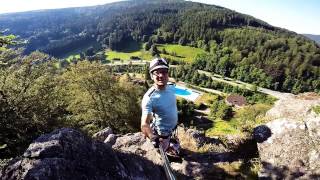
(293, 148)
(69, 154)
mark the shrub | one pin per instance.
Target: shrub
(219, 109)
(28, 103)
(185, 110)
(316, 109)
(135, 58)
(251, 116)
(95, 99)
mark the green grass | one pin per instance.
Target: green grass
(222, 127)
(126, 55)
(184, 53)
(316, 109)
(245, 118)
(76, 56)
(57, 65)
(131, 49)
(206, 98)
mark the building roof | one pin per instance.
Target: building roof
(236, 100)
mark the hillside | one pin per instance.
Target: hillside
(236, 43)
(46, 29)
(314, 37)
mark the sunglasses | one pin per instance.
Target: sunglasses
(163, 72)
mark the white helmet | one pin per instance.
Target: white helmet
(158, 63)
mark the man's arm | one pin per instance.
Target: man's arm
(145, 125)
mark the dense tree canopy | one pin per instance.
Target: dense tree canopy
(37, 97)
(238, 45)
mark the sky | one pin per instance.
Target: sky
(301, 16)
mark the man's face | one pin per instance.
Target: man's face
(160, 77)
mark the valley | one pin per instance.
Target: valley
(87, 69)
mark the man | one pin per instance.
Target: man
(159, 107)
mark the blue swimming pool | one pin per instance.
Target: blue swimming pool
(186, 93)
(182, 91)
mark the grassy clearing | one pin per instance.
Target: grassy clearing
(76, 56)
(206, 98)
(222, 127)
(184, 53)
(126, 55)
(131, 49)
(244, 119)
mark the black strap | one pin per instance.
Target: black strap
(152, 91)
(154, 131)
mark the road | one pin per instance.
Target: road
(276, 94)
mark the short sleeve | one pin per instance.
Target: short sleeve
(146, 105)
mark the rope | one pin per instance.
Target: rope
(166, 164)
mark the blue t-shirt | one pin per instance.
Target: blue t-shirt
(163, 106)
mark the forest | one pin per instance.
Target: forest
(237, 45)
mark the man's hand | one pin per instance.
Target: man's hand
(155, 139)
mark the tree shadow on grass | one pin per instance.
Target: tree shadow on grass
(201, 121)
(130, 46)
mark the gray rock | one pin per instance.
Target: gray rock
(103, 134)
(198, 136)
(68, 154)
(136, 143)
(111, 139)
(293, 149)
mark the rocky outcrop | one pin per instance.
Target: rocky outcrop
(103, 134)
(193, 165)
(293, 148)
(68, 154)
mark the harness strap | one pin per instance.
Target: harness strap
(154, 131)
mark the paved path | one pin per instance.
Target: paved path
(248, 86)
(227, 80)
(277, 94)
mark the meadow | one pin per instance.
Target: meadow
(173, 51)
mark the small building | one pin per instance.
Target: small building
(236, 100)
